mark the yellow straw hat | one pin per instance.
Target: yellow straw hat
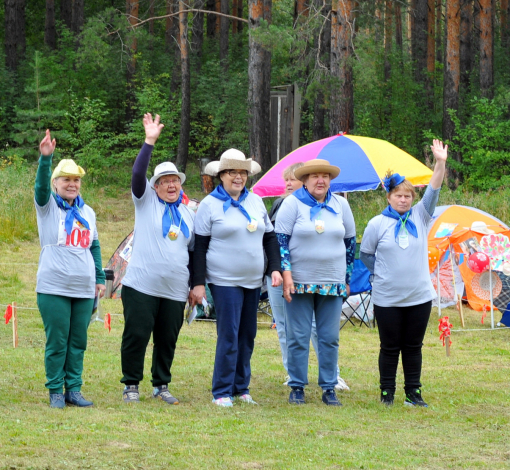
(67, 167)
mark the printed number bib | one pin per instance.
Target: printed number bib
(80, 237)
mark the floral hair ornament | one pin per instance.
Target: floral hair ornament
(390, 181)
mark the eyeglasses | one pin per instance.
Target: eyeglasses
(166, 183)
(234, 173)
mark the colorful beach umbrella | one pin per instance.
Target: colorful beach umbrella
(363, 161)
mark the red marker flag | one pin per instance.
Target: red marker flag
(108, 322)
(445, 330)
(8, 314)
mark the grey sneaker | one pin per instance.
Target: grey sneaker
(77, 399)
(162, 393)
(131, 394)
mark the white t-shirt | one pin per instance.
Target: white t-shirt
(159, 266)
(235, 256)
(401, 276)
(316, 258)
(66, 265)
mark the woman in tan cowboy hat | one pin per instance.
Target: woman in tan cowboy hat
(69, 276)
(232, 232)
(317, 239)
(156, 285)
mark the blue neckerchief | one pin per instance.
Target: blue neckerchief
(176, 216)
(72, 212)
(306, 198)
(392, 181)
(403, 221)
(222, 195)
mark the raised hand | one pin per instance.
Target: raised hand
(439, 150)
(152, 128)
(47, 146)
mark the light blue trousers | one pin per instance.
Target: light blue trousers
(299, 317)
(277, 302)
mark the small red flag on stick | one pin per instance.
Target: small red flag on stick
(8, 314)
(445, 330)
(108, 322)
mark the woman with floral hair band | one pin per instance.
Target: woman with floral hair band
(394, 249)
(69, 276)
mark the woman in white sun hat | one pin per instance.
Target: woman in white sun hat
(232, 232)
(69, 276)
(156, 285)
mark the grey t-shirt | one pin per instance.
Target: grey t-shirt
(235, 256)
(66, 265)
(159, 266)
(316, 258)
(401, 276)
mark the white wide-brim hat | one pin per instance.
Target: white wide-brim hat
(481, 227)
(166, 168)
(232, 159)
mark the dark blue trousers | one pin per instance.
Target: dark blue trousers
(236, 325)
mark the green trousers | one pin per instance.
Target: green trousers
(66, 320)
(143, 315)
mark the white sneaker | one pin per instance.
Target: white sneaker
(246, 398)
(286, 380)
(223, 401)
(341, 385)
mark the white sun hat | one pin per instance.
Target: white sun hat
(232, 159)
(481, 227)
(166, 168)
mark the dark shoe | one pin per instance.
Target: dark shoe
(57, 400)
(297, 396)
(387, 397)
(162, 393)
(76, 399)
(413, 398)
(131, 394)
(329, 397)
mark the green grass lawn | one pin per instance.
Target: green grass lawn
(466, 426)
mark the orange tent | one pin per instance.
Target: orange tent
(451, 231)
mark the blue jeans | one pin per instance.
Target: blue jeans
(277, 302)
(299, 317)
(236, 325)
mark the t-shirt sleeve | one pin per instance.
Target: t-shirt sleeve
(422, 212)
(370, 238)
(349, 224)
(266, 219)
(191, 244)
(203, 222)
(146, 196)
(287, 216)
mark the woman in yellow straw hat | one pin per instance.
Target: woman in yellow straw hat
(69, 276)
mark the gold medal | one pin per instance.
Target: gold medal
(319, 226)
(173, 233)
(252, 225)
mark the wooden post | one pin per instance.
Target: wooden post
(447, 344)
(461, 312)
(14, 325)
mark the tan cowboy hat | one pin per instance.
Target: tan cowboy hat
(166, 168)
(481, 227)
(67, 167)
(317, 166)
(232, 159)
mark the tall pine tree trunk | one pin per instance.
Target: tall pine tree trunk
(78, 16)
(452, 66)
(66, 12)
(182, 151)
(388, 35)
(211, 19)
(341, 113)
(486, 49)
(50, 33)
(419, 39)
(15, 43)
(439, 32)
(466, 30)
(398, 28)
(258, 91)
(224, 27)
(198, 35)
(132, 7)
(431, 36)
(504, 24)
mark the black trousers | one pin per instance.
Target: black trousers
(401, 329)
(143, 315)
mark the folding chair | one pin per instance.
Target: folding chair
(264, 306)
(360, 285)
